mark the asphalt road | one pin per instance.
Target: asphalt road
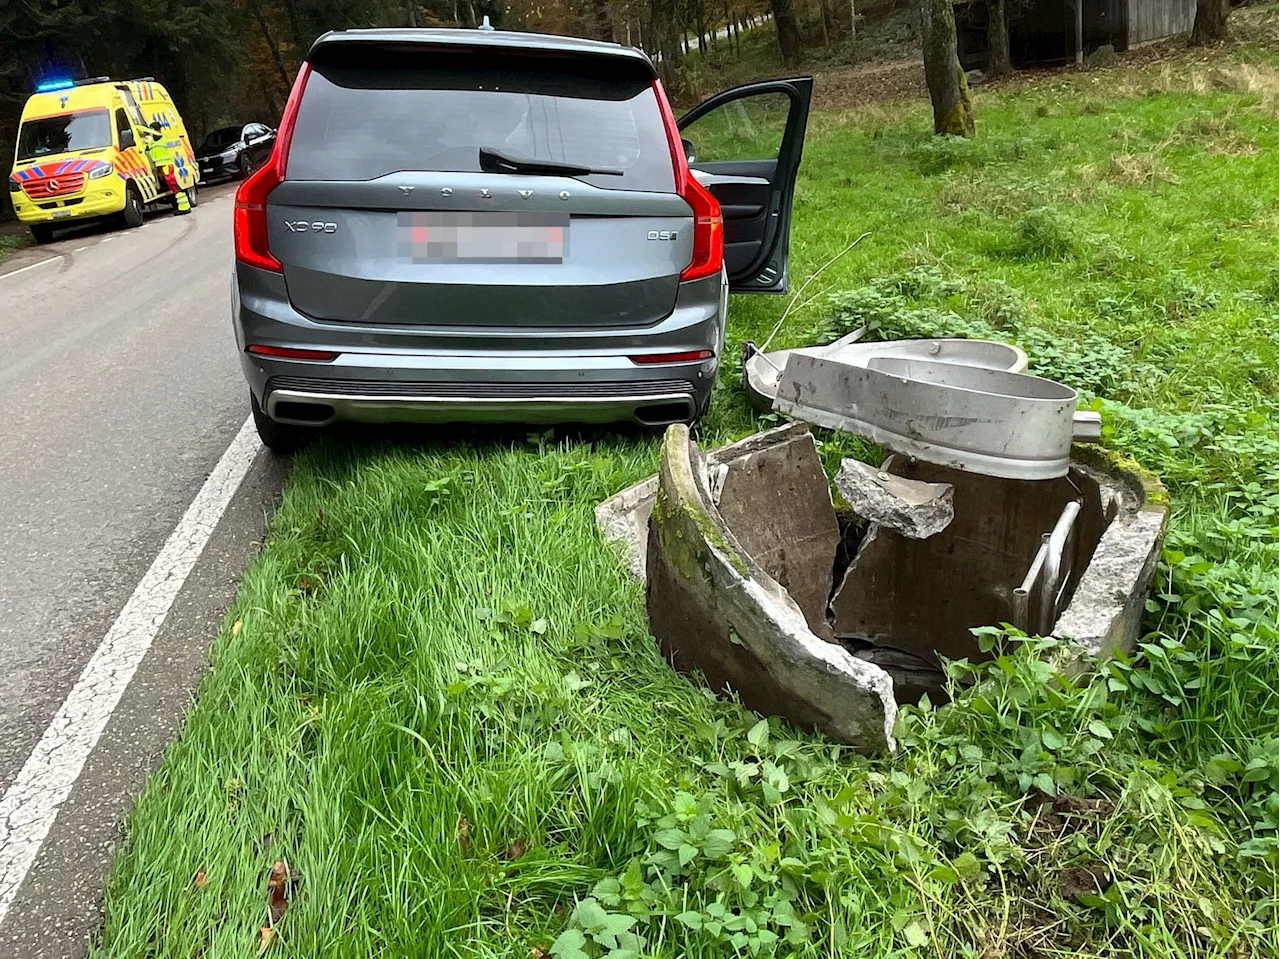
(119, 391)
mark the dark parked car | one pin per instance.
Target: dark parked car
(234, 151)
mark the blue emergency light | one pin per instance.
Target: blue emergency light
(50, 85)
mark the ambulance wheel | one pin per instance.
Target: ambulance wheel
(132, 213)
(42, 232)
(278, 437)
(191, 194)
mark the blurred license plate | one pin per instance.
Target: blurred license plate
(482, 237)
(59, 214)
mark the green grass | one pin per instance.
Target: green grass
(436, 697)
(12, 242)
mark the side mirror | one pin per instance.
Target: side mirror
(127, 139)
(688, 149)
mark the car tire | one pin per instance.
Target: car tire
(42, 232)
(132, 215)
(244, 167)
(278, 437)
(191, 194)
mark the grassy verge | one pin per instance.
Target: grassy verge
(12, 239)
(436, 699)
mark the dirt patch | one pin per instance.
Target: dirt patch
(1087, 879)
(846, 87)
(1066, 811)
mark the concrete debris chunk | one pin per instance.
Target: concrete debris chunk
(714, 609)
(777, 502)
(914, 508)
(624, 517)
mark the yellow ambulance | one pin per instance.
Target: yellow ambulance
(82, 153)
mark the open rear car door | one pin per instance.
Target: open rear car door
(744, 146)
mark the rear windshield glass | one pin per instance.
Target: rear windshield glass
(220, 139)
(428, 110)
(46, 136)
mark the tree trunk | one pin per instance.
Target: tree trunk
(998, 60)
(603, 20)
(1211, 21)
(784, 20)
(256, 9)
(948, 89)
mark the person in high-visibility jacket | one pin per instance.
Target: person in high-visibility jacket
(162, 160)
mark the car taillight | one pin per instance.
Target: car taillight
(686, 356)
(250, 219)
(290, 353)
(708, 224)
(708, 232)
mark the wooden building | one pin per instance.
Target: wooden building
(1043, 32)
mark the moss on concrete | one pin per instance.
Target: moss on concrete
(1140, 479)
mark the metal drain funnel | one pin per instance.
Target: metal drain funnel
(1003, 424)
(761, 371)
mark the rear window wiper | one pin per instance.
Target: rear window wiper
(504, 161)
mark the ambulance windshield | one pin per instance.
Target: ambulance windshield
(63, 133)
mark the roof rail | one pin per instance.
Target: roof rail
(89, 80)
(143, 80)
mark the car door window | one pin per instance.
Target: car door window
(746, 145)
(123, 126)
(748, 128)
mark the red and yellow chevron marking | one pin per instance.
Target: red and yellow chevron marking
(130, 163)
(41, 171)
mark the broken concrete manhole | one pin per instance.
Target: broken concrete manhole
(831, 619)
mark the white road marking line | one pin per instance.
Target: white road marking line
(51, 259)
(31, 804)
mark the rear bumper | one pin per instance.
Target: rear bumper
(483, 375)
(215, 168)
(316, 408)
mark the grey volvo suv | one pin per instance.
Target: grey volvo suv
(463, 225)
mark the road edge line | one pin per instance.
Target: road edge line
(32, 266)
(31, 803)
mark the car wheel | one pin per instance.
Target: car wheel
(244, 167)
(42, 232)
(191, 194)
(132, 213)
(278, 437)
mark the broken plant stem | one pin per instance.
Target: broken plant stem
(764, 346)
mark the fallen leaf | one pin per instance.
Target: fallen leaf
(515, 849)
(235, 628)
(278, 891)
(536, 952)
(200, 879)
(266, 935)
(464, 835)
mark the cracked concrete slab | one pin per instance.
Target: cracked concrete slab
(623, 519)
(715, 610)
